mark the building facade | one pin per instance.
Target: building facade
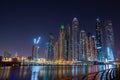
(62, 42)
(109, 40)
(82, 46)
(75, 31)
(100, 56)
(35, 49)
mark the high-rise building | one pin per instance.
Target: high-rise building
(62, 42)
(47, 51)
(57, 51)
(75, 37)
(82, 46)
(100, 55)
(51, 47)
(109, 40)
(68, 55)
(35, 49)
(89, 46)
(7, 54)
(94, 48)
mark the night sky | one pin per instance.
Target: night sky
(21, 21)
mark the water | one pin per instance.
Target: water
(47, 72)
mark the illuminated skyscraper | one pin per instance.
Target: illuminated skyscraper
(57, 51)
(35, 48)
(100, 56)
(109, 40)
(94, 48)
(62, 42)
(89, 46)
(68, 55)
(49, 52)
(51, 47)
(82, 45)
(75, 39)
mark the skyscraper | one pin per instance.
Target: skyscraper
(82, 45)
(51, 47)
(75, 39)
(62, 42)
(100, 56)
(57, 51)
(68, 53)
(49, 52)
(109, 40)
(89, 46)
(94, 48)
(35, 49)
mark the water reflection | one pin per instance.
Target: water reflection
(47, 72)
(35, 70)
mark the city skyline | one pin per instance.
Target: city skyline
(17, 31)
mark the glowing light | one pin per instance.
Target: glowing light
(62, 27)
(98, 19)
(93, 36)
(35, 70)
(34, 41)
(108, 50)
(75, 19)
(99, 47)
(110, 54)
(37, 41)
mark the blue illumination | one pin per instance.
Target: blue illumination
(98, 19)
(110, 54)
(99, 47)
(108, 50)
(93, 36)
(35, 71)
(12, 77)
(37, 41)
(34, 41)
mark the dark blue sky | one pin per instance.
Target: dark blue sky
(21, 21)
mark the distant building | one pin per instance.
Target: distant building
(62, 42)
(68, 47)
(75, 37)
(47, 50)
(89, 46)
(82, 46)
(35, 49)
(0, 58)
(109, 40)
(94, 48)
(7, 54)
(50, 48)
(100, 55)
(35, 52)
(57, 51)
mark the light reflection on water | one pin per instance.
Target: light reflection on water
(35, 70)
(47, 72)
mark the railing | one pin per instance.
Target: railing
(109, 74)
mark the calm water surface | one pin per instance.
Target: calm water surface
(47, 72)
